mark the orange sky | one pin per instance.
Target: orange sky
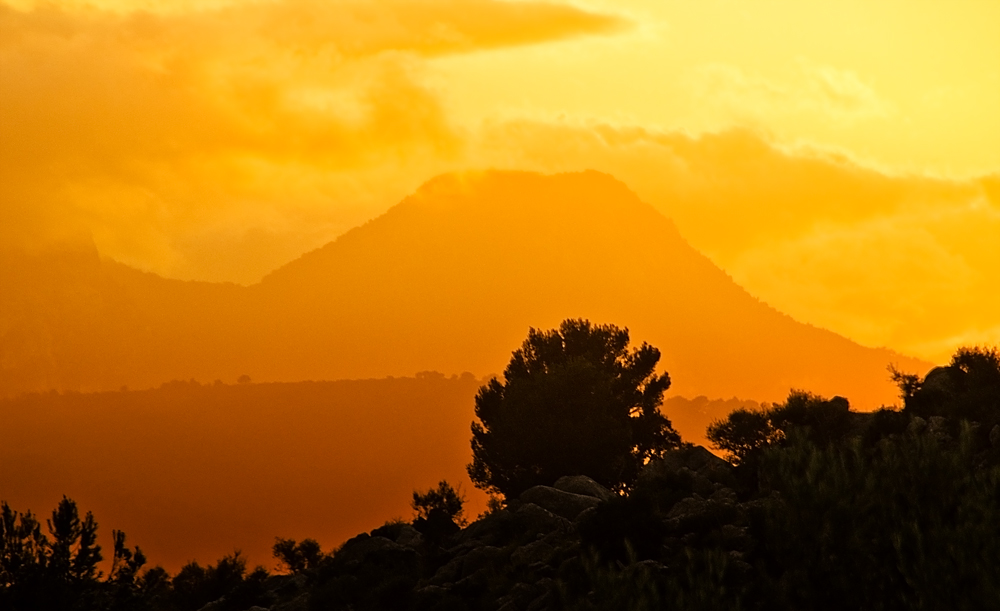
(839, 160)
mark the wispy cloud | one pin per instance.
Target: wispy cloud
(219, 141)
(902, 260)
(172, 134)
(838, 94)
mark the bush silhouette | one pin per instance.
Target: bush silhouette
(968, 387)
(444, 499)
(439, 511)
(744, 433)
(297, 556)
(194, 586)
(895, 526)
(574, 401)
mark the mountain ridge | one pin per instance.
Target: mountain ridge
(450, 279)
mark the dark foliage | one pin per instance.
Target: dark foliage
(884, 423)
(820, 508)
(194, 585)
(575, 400)
(744, 433)
(367, 572)
(624, 529)
(443, 500)
(297, 557)
(911, 524)
(439, 512)
(968, 388)
(60, 570)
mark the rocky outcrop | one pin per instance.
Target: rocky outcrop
(565, 504)
(550, 548)
(581, 484)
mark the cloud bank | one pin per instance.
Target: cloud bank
(900, 260)
(218, 144)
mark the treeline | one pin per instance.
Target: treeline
(817, 507)
(61, 570)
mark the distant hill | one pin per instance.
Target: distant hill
(450, 280)
(193, 471)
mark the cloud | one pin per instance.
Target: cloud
(351, 27)
(219, 143)
(903, 260)
(836, 94)
(251, 128)
(898, 280)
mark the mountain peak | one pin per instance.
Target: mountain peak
(450, 279)
(496, 211)
(513, 191)
(454, 275)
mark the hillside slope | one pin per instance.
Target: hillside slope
(450, 279)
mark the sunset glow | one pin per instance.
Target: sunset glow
(216, 141)
(337, 176)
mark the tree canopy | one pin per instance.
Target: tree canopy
(745, 432)
(574, 401)
(968, 387)
(62, 572)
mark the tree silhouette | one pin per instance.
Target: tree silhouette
(969, 387)
(74, 551)
(194, 586)
(744, 433)
(297, 556)
(443, 500)
(37, 572)
(574, 401)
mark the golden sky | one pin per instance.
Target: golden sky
(839, 159)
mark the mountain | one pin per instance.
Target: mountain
(450, 279)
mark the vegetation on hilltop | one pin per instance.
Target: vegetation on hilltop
(818, 507)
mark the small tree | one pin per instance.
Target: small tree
(443, 501)
(74, 551)
(574, 401)
(125, 563)
(297, 557)
(23, 547)
(742, 433)
(61, 572)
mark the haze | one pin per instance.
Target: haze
(217, 141)
(776, 195)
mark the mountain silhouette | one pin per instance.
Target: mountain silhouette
(449, 279)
